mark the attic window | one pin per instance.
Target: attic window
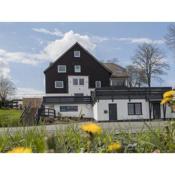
(62, 68)
(76, 54)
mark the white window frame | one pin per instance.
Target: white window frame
(60, 87)
(96, 84)
(62, 71)
(76, 53)
(77, 70)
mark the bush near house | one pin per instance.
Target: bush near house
(9, 117)
(89, 138)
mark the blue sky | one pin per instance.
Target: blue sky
(27, 48)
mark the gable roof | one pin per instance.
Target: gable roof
(117, 71)
(51, 65)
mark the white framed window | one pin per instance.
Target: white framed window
(75, 81)
(76, 54)
(59, 84)
(134, 108)
(62, 68)
(98, 84)
(68, 108)
(77, 68)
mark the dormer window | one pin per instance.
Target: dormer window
(61, 68)
(76, 54)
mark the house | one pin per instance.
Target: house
(77, 84)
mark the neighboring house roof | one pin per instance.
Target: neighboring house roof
(117, 71)
(52, 64)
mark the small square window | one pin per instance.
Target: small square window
(77, 68)
(59, 84)
(98, 84)
(77, 54)
(75, 81)
(62, 68)
(81, 81)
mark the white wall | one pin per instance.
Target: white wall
(95, 111)
(122, 109)
(79, 88)
(82, 109)
(169, 114)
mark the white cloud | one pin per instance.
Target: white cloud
(28, 92)
(140, 40)
(56, 32)
(20, 57)
(99, 39)
(59, 46)
(49, 53)
(4, 69)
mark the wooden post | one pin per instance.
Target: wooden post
(150, 109)
(164, 111)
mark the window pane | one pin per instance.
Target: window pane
(61, 68)
(68, 108)
(75, 81)
(59, 84)
(77, 68)
(81, 81)
(138, 109)
(76, 53)
(98, 84)
(131, 109)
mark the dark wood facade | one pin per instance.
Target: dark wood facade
(89, 67)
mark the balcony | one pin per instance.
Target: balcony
(67, 100)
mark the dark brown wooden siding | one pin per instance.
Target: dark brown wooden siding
(89, 67)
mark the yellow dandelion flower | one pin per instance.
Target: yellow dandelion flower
(169, 94)
(165, 100)
(114, 147)
(91, 128)
(20, 150)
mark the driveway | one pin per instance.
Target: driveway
(111, 126)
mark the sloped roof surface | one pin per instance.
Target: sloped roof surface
(117, 71)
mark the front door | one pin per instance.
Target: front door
(156, 110)
(113, 111)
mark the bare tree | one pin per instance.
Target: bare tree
(170, 37)
(7, 88)
(136, 76)
(151, 61)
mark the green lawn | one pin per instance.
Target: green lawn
(9, 117)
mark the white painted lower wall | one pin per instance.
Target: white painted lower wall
(122, 110)
(83, 109)
(97, 110)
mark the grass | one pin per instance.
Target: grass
(75, 140)
(9, 117)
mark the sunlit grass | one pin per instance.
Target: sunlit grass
(9, 117)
